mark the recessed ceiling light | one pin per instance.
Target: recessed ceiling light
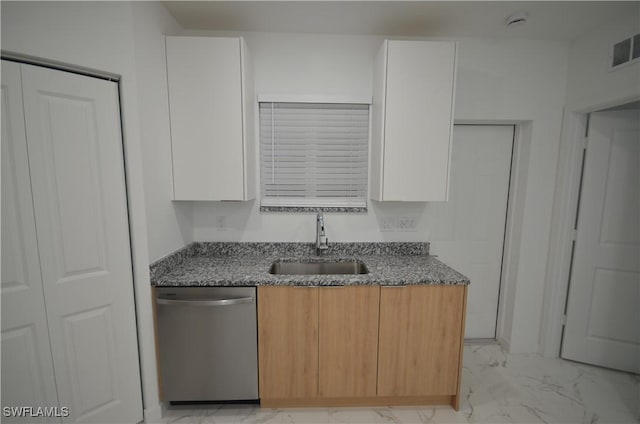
(517, 19)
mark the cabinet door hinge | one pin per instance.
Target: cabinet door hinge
(564, 319)
(574, 234)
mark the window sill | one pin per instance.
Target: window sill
(340, 209)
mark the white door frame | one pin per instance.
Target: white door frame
(512, 237)
(565, 208)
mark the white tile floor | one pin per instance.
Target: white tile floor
(497, 387)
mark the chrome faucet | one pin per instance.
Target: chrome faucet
(322, 242)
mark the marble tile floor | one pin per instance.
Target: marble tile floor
(498, 388)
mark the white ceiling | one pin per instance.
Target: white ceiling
(547, 20)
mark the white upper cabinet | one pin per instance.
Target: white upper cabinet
(211, 109)
(412, 120)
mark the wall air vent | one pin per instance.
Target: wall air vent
(625, 52)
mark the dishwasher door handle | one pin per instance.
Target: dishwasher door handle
(217, 302)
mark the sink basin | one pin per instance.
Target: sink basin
(319, 268)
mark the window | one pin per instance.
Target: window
(314, 155)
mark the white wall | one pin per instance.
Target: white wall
(169, 224)
(100, 35)
(591, 86)
(498, 81)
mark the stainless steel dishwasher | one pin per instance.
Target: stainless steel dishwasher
(208, 345)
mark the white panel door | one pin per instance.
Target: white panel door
(467, 232)
(77, 174)
(603, 311)
(27, 370)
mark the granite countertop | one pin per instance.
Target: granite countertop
(247, 264)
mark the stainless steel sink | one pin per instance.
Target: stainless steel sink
(318, 268)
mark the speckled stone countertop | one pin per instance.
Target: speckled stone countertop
(248, 264)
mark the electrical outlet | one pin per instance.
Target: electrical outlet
(221, 223)
(388, 223)
(407, 224)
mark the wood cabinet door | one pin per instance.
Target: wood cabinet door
(348, 341)
(420, 340)
(288, 342)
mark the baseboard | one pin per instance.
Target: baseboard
(518, 348)
(480, 342)
(504, 343)
(153, 415)
(361, 402)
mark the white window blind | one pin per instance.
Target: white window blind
(314, 154)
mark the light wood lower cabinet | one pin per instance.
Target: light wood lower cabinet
(420, 340)
(288, 342)
(348, 341)
(360, 345)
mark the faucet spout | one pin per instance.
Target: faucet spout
(322, 242)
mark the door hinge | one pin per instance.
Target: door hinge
(574, 234)
(564, 319)
(585, 143)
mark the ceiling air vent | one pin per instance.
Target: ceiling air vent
(625, 51)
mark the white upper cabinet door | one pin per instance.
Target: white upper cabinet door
(412, 120)
(211, 109)
(27, 370)
(79, 197)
